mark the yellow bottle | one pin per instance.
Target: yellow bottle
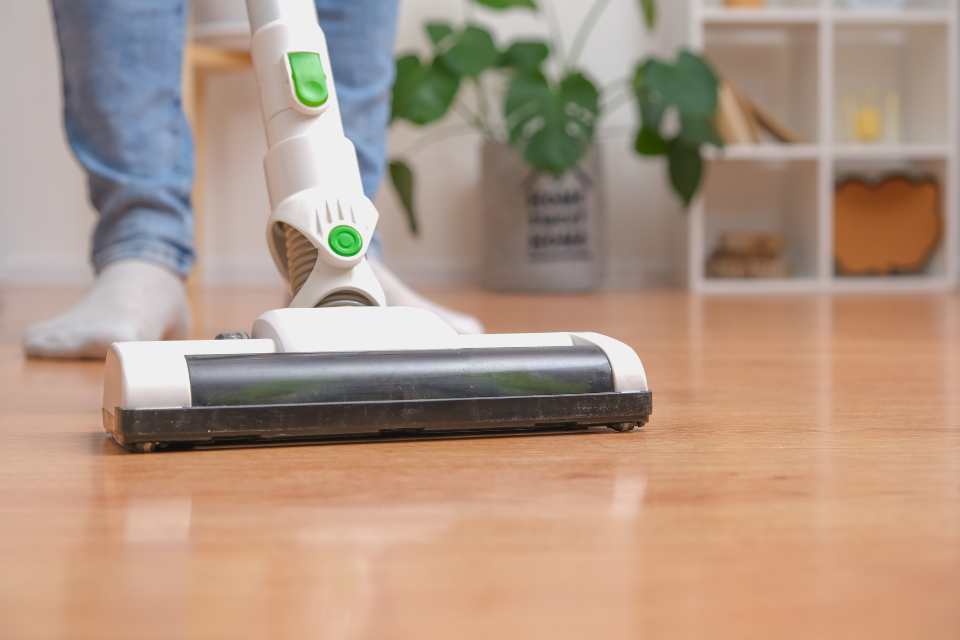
(868, 124)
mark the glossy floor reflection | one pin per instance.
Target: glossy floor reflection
(800, 478)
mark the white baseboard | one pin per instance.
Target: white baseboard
(635, 277)
(237, 272)
(44, 270)
(51, 270)
(441, 274)
(434, 273)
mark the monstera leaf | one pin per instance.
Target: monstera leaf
(552, 124)
(552, 119)
(688, 86)
(467, 52)
(401, 175)
(423, 93)
(525, 55)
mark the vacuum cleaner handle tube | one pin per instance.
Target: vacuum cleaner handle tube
(321, 223)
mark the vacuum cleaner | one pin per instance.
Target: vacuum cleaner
(338, 363)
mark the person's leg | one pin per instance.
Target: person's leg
(121, 65)
(361, 36)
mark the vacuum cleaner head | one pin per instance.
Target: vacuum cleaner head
(357, 373)
(349, 372)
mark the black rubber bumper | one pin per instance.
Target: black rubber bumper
(150, 429)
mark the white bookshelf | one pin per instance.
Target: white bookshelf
(799, 59)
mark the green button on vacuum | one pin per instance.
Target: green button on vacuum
(309, 80)
(345, 241)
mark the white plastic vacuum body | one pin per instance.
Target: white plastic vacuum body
(310, 374)
(338, 363)
(321, 224)
(155, 374)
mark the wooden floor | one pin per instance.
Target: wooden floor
(800, 478)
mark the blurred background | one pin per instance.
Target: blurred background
(838, 172)
(49, 220)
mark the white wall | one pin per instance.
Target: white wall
(48, 221)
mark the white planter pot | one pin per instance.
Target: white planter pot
(541, 233)
(221, 23)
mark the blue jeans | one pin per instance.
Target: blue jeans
(121, 64)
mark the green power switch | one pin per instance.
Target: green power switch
(345, 241)
(309, 80)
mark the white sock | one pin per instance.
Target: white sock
(400, 295)
(130, 300)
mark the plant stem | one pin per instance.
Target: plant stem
(438, 135)
(586, 28)
(482, 104)
(617, 101)
(556, 32)
(614, 132)
(519, 114)
(619, 83)
(474, 121)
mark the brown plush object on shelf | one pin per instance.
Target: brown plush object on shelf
(886, 227)
(751, 243)
(744, 254)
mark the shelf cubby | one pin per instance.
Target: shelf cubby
(802, 60)
(890, 6)
(905, 64)
(874, 169)
(783, 16)
(772, 5)
(772, 65)
(764, 197)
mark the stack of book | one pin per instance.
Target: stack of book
(742, 121)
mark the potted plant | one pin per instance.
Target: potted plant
(538, 112)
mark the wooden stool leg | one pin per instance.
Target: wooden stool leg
(194, 101)
(199, 61)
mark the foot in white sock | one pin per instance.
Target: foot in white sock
(130, 300)
(400, 295)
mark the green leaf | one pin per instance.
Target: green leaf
(649, 9)
(500, 5)
(686, 169)
(440, 34)
(553, 126)
(696, 86)
(528, 97)
(409, 73)
(577, 89)
(652, 111)
(651, 105)
(472, 53)
(401, 175)
(652, 76)
(525, 55)
(552, 152)
(697, 130)
(649, 142)
(689, 84)
(422, 94)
